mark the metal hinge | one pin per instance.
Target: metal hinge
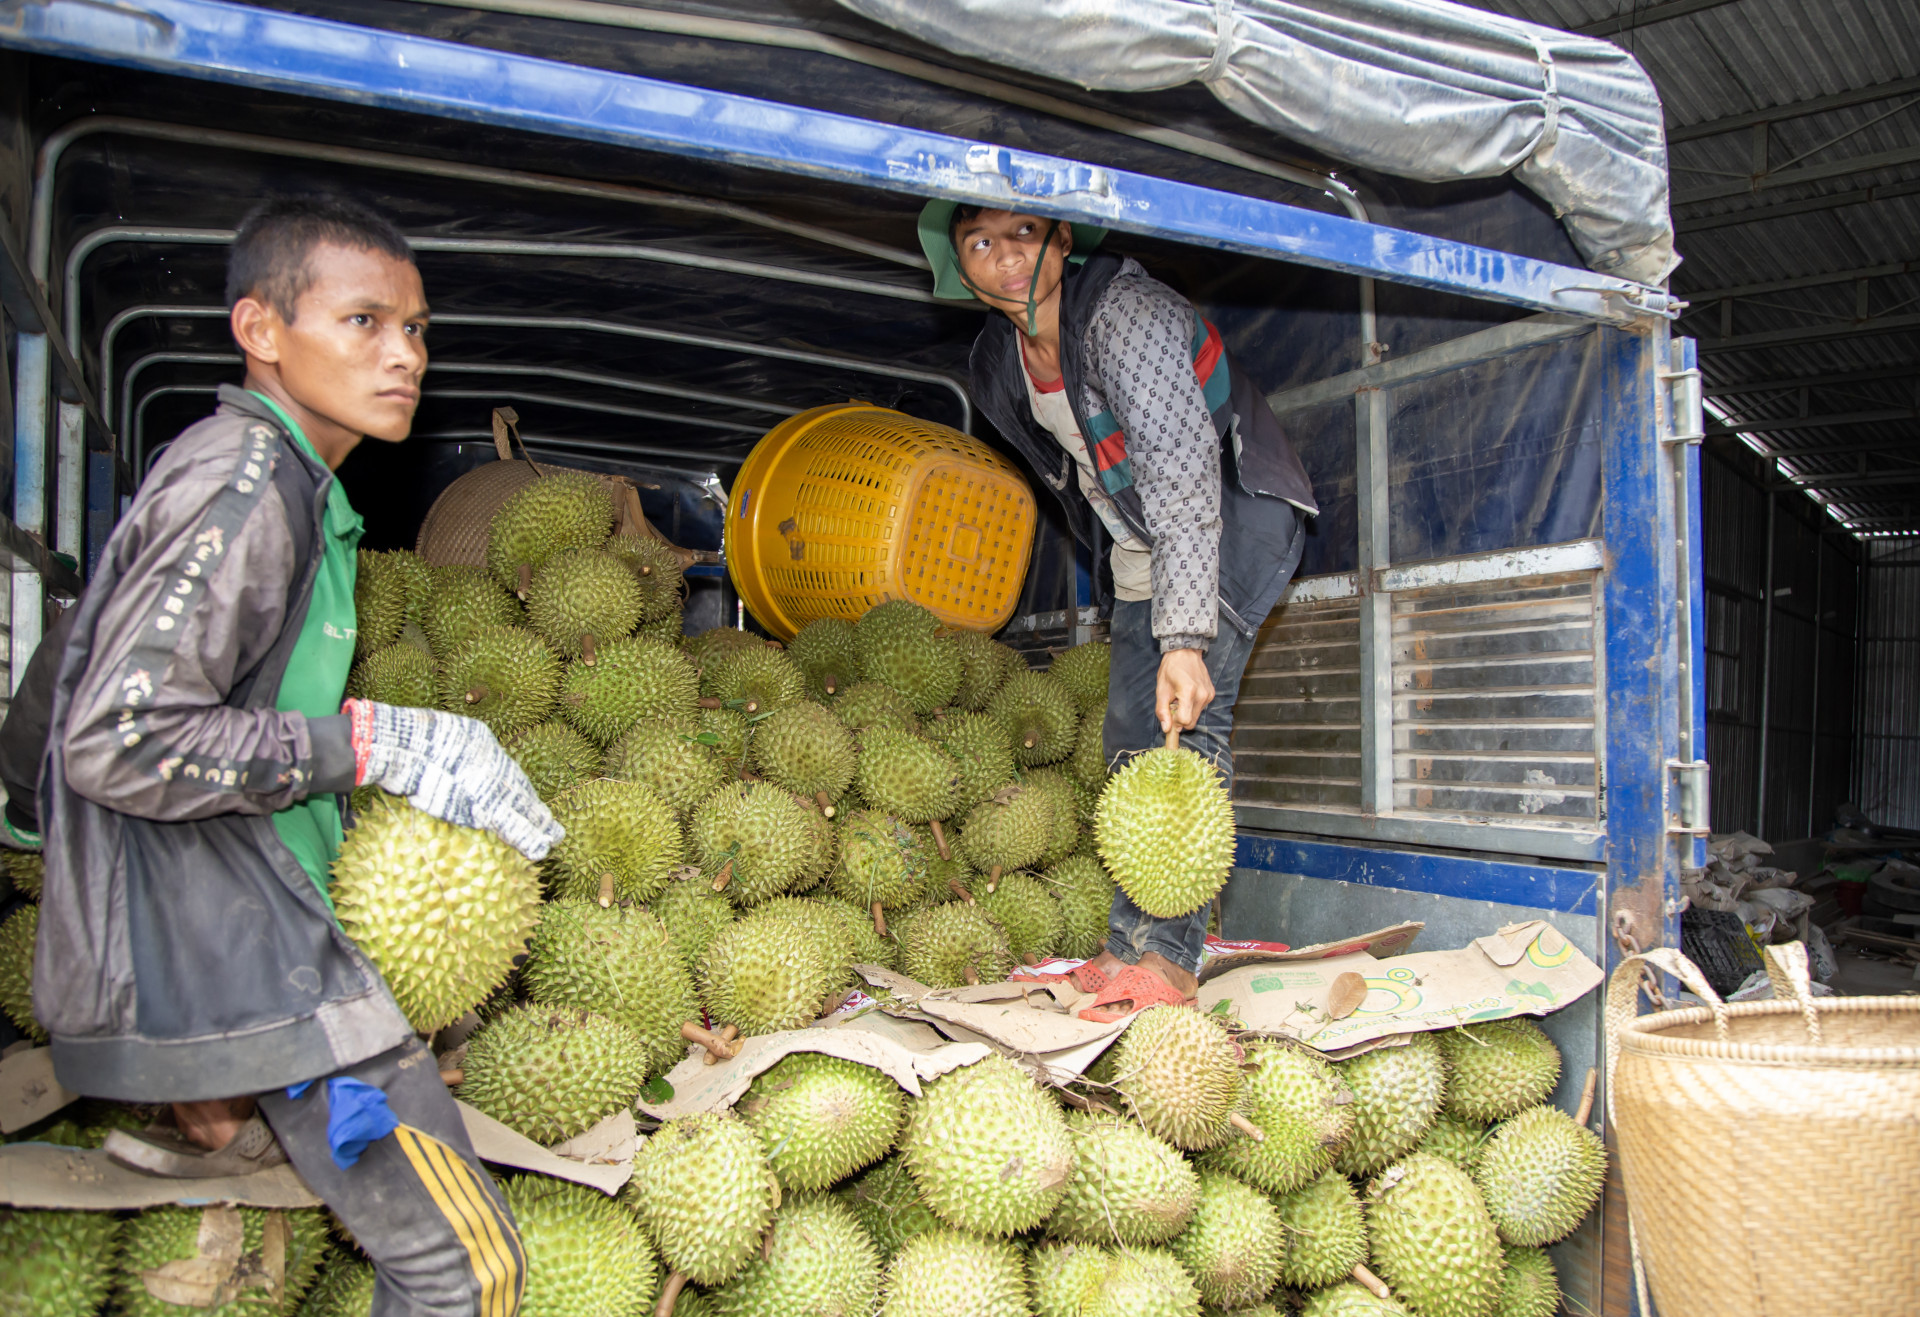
(1688, 798)
(1689, 412)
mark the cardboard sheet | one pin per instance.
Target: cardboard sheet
(28, 1090)
(1027, 1019)
(45, 1175)
(612, 1144)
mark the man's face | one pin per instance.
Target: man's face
(357, 345)
(1000, 254)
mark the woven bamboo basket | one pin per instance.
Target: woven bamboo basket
(1770, 1149)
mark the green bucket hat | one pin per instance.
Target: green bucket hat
(936, 229)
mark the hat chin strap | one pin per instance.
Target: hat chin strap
(1033, 311)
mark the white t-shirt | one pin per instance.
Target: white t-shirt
(1131, 558)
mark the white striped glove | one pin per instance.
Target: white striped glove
(450, 766)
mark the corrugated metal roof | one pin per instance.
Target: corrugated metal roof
(1810, 212)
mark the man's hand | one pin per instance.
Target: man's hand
(1183, 677)
(450, 766)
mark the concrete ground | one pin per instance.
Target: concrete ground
(1867, 976)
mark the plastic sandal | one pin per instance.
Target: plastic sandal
(1086, 978)
(1139, 989)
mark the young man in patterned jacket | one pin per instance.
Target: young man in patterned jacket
(1126, 403)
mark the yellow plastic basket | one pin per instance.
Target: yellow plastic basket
(847, 506)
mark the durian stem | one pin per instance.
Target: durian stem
(725, 876)
(718, 1047)
(832, 684)
(770, 643)
(879, 919)
(752, 706)
(993, 879)
(1173, 723)
(972, 976)
(477, 693)
(1033, 739)
(940, 840)
(526, 579)
(1247, 1127)
(606, 891)
(587, 654)
(1372, 1282)
(709, 702)
(453, 1078)
(826, 805)
(1586, 1097)
(1028, 958)
(646, 569)
(670, 1295)
(959, 891)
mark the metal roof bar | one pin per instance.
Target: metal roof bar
(1778, 338)
(1854, 164)
(1815, 422)
(1879, 91)
(1637, 17)
(1911, 371)
(1699, 295)
(1784, 209)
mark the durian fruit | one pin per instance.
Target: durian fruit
(17, 936)
(1348, 1299)
(828, 656)
(1235, 1243)
(704, 1191)
(1180, 1074)
(804, 749)
(1127, 1188)
(667, 628)
(1498, 1068)
(1144, 1282)
(551, 1073)
(621, 842)
(710, 644)
(990, 1152)
(581, 600)
(949, 1273)
(693, 914)
(441, 910)
(28, 870)
(160, 1235)
(344, 1288)
(1064, 840)
(555, 758)
(629, 680)
(763, 974)
(1305, 1112)
(1040, 716)
(1083, 671)
(984, 666)
(877, 860)
(561, 510)
(1084, 890)
(908, 776)
(1027, 911)
(56, 1264)
(671, 758)
(1458, 1141)
(1540, 1174)
(504, 676)
(941, 945)
(887, 1202)
(1433, 1241)
(1529, 1287)
(399, 674)
(1009, 830)
(874, 704)
(822, 1118)
(1397, 1093)
(656, 569)
(1064, 1276)
(754, 680)
(585, 1253)
(816, 1260)
(1088, 762)
(864, 944)
(464, 601)
(759, 839)
(389, 591)
(1328, 1232)
(726, 731)
(824, 924)
(902, 644)
(619, 962)
(1164, 827)
(979, 745)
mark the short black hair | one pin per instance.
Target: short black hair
(964, 212)
(271, 249)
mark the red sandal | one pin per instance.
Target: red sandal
(1085, 978)
(1133, 989)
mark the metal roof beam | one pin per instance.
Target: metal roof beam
(1853, 164)
(1910, 372)
(1849, 481)
(1910, 448)
(1864, 196)
(1637, 17)
(1816, 422)
(1779, 338)
(1879, 91)
(1800, 281)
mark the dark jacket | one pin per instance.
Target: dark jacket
(1186, 447)
(183, 952)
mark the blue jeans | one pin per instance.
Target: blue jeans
(1131, 727)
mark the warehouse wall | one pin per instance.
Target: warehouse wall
(1887, 745)
(1805, 696)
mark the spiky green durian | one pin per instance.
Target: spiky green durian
(56, 1264)
(1009, 830)
(948, 1273)
(715, 641)
(1065, 838)
(828, 655)
(621, 842)
(908, 776)
(160, 1235)
(1305, 1112)
(440, 909)
(389, 590)
(552, 1072)
(585, 1253)
(1180, 1074)
(667, 628)
(1458, 1141)
(1144, 1282)
(990, 1152)
(693, 914)
(630, 680)
(1397, 1093)
(28, 870)
(824, 922)
(874, 704)
(465, 600)
(979, 745)
(765, 973)
(555, 758)
(985, 664)
(1088, 762)
(1498, 1068)
(1084, 889)
(822, 1118)
(1083, 671)
(1540, 1174)
(1020, 904)
(1164, 827)
(670, 757)
(582, 600)
(399, 674)
(727, 729)
(1235, 1244)
(1348, 1299)
(902, 644)
(704, 1191)
(816, 1260)
(17, 936)
(504, 676)
(1065, 1275)
(1433, 1241)
(887, 1203)
(1329, 1232)
(804, 749)
(657, 570)
(760, 839)
(561, 510)
(1041, 719)
(1529, 1287)
(878, 859)
(1128, 1187)
(940, 944)
(344, 1288)
(756, 679)
(619, 962)
(86, 1124)
(864, 944)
